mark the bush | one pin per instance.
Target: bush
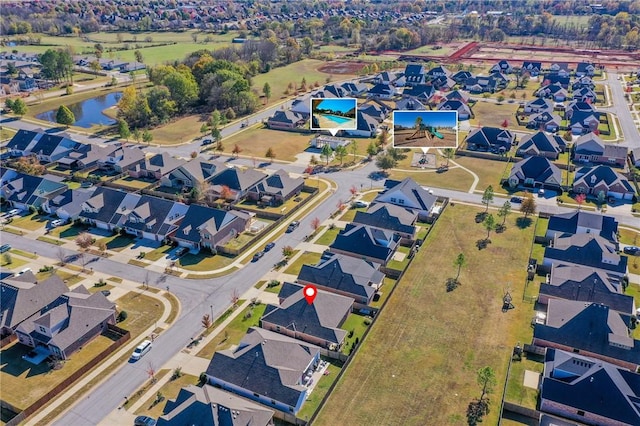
(249, 314)
(122, 316)
(273, 283)
(202, 379)
(101, 283)
(177, 373)
(350, 335)
(367, 321)
(46, 269)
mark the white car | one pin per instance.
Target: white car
(13, 212)
(141, 350)
(57, 222)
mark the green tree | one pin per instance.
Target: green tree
(504, 211)
(137, 135)
(340, 152)
(489, 224)
(64, 116)
(385, 162)
(123, 129)
(147, 137)
(487, 197)
(383, 136)
(354, 150)
(183, 88)
(326, 152)
(19, 107)
(528, 205)
(138, 56)
(372, 149)
(459, 263)
(9, 104)
(204, 129)
(266, 90)
(449, 153)
(602, 197)
(95, 67)
(487, 380)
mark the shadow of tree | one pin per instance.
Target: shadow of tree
(480, 217)
(483, 243)
(523, 222)
(452, 284)
(500, 229)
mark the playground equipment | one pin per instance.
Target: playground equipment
(425, 131)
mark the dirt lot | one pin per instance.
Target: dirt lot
(342, 67)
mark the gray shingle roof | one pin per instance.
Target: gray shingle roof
(541, 142)
(566, 224)
(236, 179)
(416, 196)
(362, 240)
(198, 218)
(587, 250)
(388, 216)
(266, 363)
(540, 169)
(209, 406)
(280, 183)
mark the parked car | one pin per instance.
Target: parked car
(181, 251)
(5, 248)
(144, 421)
(360, 203)
(106, 293)
(632, 250)
(86, 184)
(292, 226)
(142, 349)
(257, 256)
(269, 246)
(57, 222)
(13, 212)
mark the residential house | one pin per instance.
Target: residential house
(588, 329)
(382, 91)
(464, 111)
(209, 406)
(582, 222)
(481, 84)
(634, 156)
(193, 174)
(553, 91)
(276, 188)
(458, 95)
(585, 69)
(205, 227)
(378, 111)
(443, 83)
(535, 172)
(587, 250)
(267, 367)
(154, 218)
(286, 120)
(68, 205)
(335, 90)
(365, 242)
(234, 183)
(408, 194)
(541, 144)
(22, 297)
(560, 68)
(385, 77)
(538, 105)
(439, 71)
(354, 89)
(574, 106)
(588, 390)
(422, 92)
(303, 106)
(111, 64)
(408, 103)
(532, 68)
(583, 82)
(545, 121)
(46, 147)
(25, 191)
(344, 275)
(317, 323)
(586, 285)
(502, 66)
(461, 76)
(132, 66)
(556, 79)
(393, 218)
(605, 180)
(86, 156)
(584, 95)
(366, 126)
(122, 159)
(501, 80)
(68, 323)
(414, 74)
(156, 166)
(493, 139)
(106, 208)
(590, 148)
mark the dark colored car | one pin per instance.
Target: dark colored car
(516, 199)
(207, 142)
(144, 421)
(257, 256)
(4, 248)
(181, 251)
(292, 226)
(632, 250)
(106, 292)
(269, 246)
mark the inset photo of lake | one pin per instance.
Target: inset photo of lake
(425, 129)
(332, 114)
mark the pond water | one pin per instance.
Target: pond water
(88, 112)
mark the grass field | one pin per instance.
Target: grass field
(142, 312)
(489, 172)
(491, 114)
(306, 258)
(6, 133)
(204, 261)
(454, 178)
(422, 354)
(256, 140)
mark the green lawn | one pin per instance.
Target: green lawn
(354, 323)
(491, 114)
(489, 171)
(30, 222)
(400, 265)
(628, 236)
(68, 231)
(133, 183)
(169, 390)
(234, 331)
(516, 391)
(204, 261)
(350, 213)
(307, 258)
(454, 178)
(6, 133)
(117, 242)
(387, 286)
(319, 391)
(15, 262)
(158, 253)
(427, 339)
(329, 236)
(142, 312)
(634, 291)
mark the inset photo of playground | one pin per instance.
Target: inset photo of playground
(425, 129)
(333, 114)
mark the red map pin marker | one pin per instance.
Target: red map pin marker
(310, 292)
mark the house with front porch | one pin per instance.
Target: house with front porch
(107, 208)
(603, 179)
(192, 174)
(535, 172)
(276, 188)
(206, 227)
(286, 120)
(590, 148)
(154, 218)
(490, 139)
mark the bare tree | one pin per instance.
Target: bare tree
(151, 371)
(61, 255)
(235, 296)
(84, 240)
(315, 224)
(206, 321)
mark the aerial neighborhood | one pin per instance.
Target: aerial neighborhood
(271, 213)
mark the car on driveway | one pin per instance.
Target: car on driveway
(56, 223)
(269, 246)
(144, 421)
(257, 256)
(632, 250)
(13, 212)
(181, 251)
(360, 204)
(292, 226)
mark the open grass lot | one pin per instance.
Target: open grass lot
(30, 222)
(133, 183)
(454, 178)
(28, 382)
(15, 263)
(329, 236)
(423, 352)
(491, 114)
(181, 130)
(629, 236)
(234, 331)
(432, 50)
(204, 261)
(489, 172)
(169, 390)
(255, 142)
(307, 258)
(142, 312)
(279, 78)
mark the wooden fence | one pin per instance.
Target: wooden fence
(10, 338)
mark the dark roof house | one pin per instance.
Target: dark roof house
(365, 242)
(490, 139)
(541, 144)
(390, 217)
(535, 172)
(408, 194)
(583, 222)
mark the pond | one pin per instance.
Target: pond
(88, 112)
